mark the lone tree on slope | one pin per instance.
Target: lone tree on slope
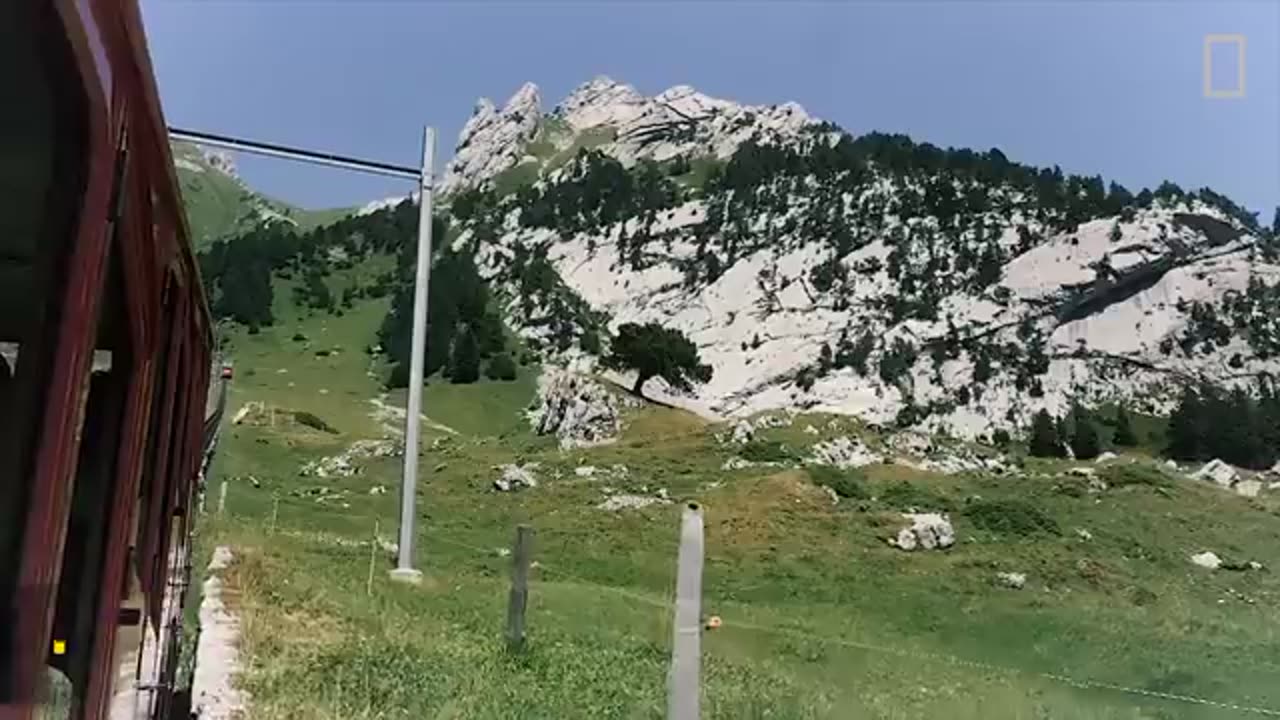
(654, 351)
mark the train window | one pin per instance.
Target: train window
(42, 181)
(102, 436)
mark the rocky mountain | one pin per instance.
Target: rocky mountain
(523, 142)
(953, 290)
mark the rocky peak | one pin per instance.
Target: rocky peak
(686, 101)
(528, 99)
(679, 121)
(601, 101)
(493, 140)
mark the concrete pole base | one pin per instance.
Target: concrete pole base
(407, 575)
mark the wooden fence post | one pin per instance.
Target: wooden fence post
(222, 497)
(373, 550)
(275, 512)
(682, 701)
(520, 557)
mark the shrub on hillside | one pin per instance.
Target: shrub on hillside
(847, 484)
(1124, 475)
(501, 367)
(766, 451)
(1010, 517)
(905, 496)
(314, 422)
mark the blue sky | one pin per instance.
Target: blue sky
(1097, 86)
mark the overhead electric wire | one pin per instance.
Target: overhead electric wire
(374, 167)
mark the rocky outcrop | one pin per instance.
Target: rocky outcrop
(1207, 560)
(1011, 580)
(578, 410)
(615, 503)
(493, 140)
(344, 464)
(515, 477)
(1217, 472)
(843, 452)
(928, 531)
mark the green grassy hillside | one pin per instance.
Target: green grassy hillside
(221, 206)
(822, 618)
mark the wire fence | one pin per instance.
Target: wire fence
(366, 546)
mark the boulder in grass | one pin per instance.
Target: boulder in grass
(928, 531)
(1011, 580)
(1218, 472)
(1207, 560)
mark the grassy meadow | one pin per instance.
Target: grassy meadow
(821, 617)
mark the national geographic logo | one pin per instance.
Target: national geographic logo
(1224, 66)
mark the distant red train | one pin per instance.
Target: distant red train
(105, 357)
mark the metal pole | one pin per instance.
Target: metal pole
(682, 703)
(404, 562)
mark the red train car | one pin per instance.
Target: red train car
(105, 345)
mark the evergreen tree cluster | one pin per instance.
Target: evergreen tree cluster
(238, 272)
(463, 326)
(464, 329)
(1080, 430)
(1235, 425)
(596, 191)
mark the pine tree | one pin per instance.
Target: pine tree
(1085, 444)
(1124, 435)
(464, 361)
(1186, 437)
(654, 351)
(1044, 436)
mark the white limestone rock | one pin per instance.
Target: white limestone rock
(1207, 560)
(630, 502)
(493, 140)
(1217, 472)
(843, 452)
(743, 432)
(576, 409)
(1011, 580)
(928, 531)
(1248, 488)
(515, 477)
